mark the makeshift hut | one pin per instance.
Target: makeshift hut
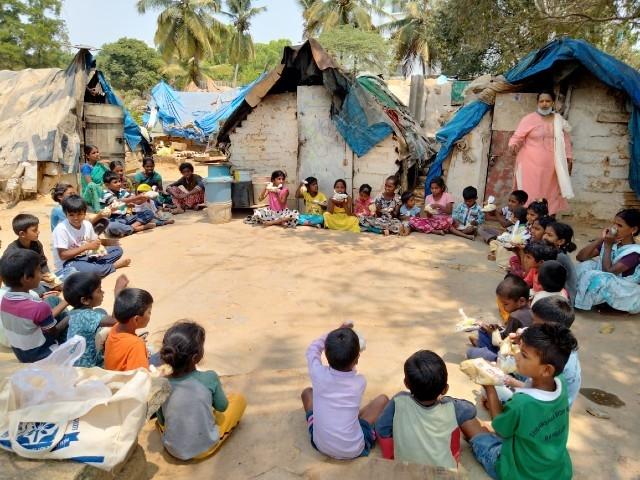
(174, 115)
(47, 115)
(308, 118)
(597, 94)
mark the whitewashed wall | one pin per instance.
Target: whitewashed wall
(268, 139)
(470, 168)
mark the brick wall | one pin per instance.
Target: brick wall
(267, 139)
(600, 147)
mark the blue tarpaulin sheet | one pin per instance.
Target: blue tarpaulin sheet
(132, 134)
(178, 112)
(361, 128)
(210, 123)
(607, 69)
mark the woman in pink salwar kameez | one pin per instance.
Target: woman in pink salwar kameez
(535, 170)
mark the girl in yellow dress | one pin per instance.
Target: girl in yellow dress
(339, 214)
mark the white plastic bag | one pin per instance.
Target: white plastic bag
(54, 379)
(96, 421)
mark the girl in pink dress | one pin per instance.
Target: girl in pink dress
(533, 142)
(277, 212)
(441, 202)
(362, 204)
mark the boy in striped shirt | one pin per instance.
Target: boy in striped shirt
(29, 323)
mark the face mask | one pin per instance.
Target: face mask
(545, 112)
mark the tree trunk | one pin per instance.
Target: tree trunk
(235, 75)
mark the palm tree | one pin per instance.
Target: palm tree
(186, 30)
(240, 42)
(323, 15)
(411, 36)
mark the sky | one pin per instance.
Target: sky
(93, 23)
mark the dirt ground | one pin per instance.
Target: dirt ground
(264, 294)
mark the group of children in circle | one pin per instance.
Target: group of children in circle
(422, 425)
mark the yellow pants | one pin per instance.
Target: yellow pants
(226, 421)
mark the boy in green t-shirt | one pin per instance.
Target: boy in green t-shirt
(533, 426)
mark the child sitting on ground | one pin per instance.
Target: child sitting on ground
(537, 209)
(117, 167)
(531, 430)
(58, 194)
(424, 426)
(160, 217)
(437, 210)
(536, 231)
(560, 235)
(407, 211)
(29, 323)
(535, 254)
(387, 203)
(78, 246)
(499, 253)
(513, 298)
(315, 203)
(468, 215)
(364, 206)
(198, 416)
(119, 200)
(339, 215)
(552, 277)
(337, 426)
(277, 213)
(124, 350)
(556, 310)
(25, 226)
(83, 291)
(506, 215)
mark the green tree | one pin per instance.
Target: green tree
(412, 36)
(268, 56)
(356, 49)
(323, 15)
(187, 31)
(241, 47)
(492, 37)
(32, 34)
(130, 65)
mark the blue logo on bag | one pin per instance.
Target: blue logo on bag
(36, 435)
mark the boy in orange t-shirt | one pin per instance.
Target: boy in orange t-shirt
(124, 350)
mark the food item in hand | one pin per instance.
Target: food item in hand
(491, 204)
(272, 188)
(482, 372)
(51, 280)
(339, 197)
(431, 210)
(467, 324)
(98, 252)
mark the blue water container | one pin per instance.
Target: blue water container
(219, 170)
(218, 189)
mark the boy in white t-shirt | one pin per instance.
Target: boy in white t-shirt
(78, 246)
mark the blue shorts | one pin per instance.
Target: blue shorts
(486, 448)
(367, 431)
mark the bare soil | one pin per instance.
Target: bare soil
(263, 294)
